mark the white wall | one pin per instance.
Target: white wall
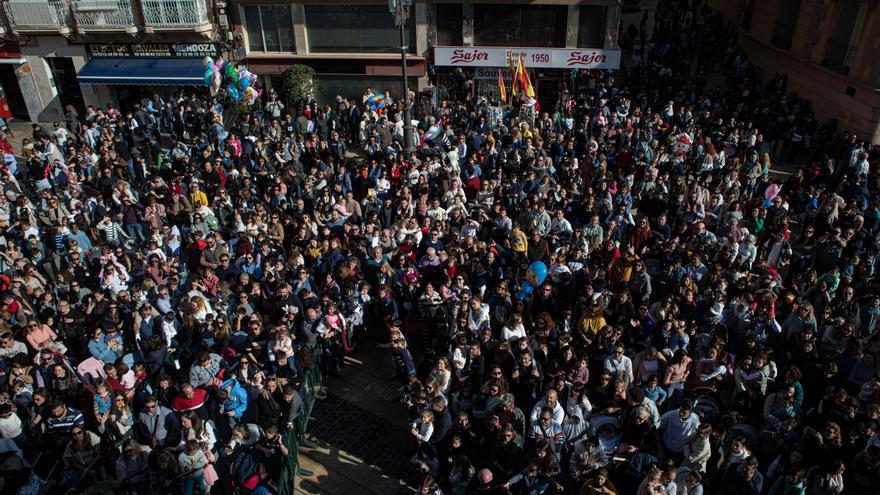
(36, 82)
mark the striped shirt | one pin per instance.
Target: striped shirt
(110, 231)
(60, 427)
(552, 432)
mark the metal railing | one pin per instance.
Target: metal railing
(296, 436)
(838, 56)
(101, 14)
(45, 15)
(174, 13)
(27, 15)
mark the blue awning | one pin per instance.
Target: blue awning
(144, 71)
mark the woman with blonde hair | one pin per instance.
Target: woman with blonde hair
(442, 374)
(201, 308)
(514, 328)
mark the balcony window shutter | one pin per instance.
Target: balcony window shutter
(96, 5)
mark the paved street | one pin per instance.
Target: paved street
(358, 421)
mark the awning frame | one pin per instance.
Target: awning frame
(143, 71)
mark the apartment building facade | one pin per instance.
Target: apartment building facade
(57, 53)
(830, 50)
(91, 52)
(354, 44)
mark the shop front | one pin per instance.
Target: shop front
(549, 68)
(341, 75)
(132, 71)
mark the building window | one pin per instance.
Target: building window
(449, 21)
(784, 26)
(520, 25)
(842, 44)
(591, 29)
(355, 28)
(269, 28)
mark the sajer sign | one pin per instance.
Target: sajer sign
(546, 58)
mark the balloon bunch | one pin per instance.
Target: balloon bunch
(376, 103)
(240, 83)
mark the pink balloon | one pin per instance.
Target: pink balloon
(771, 192)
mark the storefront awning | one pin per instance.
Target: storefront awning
(144, 71)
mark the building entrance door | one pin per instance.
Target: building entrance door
(66, 83)
(548, 93)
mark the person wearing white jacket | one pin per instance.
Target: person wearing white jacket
(423, 427)
(698, 449)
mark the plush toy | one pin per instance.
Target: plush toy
(535, 276)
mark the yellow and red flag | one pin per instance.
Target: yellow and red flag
(502, 91)
(525, 83)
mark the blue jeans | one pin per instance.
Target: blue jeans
(136, 231)
(20, 440)
(672, 387)
(193, 481)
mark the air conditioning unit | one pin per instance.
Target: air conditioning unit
(96, 5)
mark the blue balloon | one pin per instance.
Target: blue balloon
(233, 93)
(535, 276)
(209, 73)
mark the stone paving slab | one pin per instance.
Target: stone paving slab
(363, 436)
(363, 445)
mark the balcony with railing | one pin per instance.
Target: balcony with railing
(105, 15)
(174, 14)
(110, 15)
(38, 15)
(838, 56)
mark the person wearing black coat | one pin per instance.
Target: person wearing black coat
(442, 421)
(268, 409)
(639, 433)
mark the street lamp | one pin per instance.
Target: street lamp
(400, 10)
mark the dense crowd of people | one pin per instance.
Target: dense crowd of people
(167, 278)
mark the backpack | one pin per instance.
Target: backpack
(245, 470)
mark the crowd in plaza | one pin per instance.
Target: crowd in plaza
(705, 326)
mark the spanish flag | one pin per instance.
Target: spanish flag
(502, 91)
(525, 82)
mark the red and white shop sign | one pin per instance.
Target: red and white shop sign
(547, 58)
